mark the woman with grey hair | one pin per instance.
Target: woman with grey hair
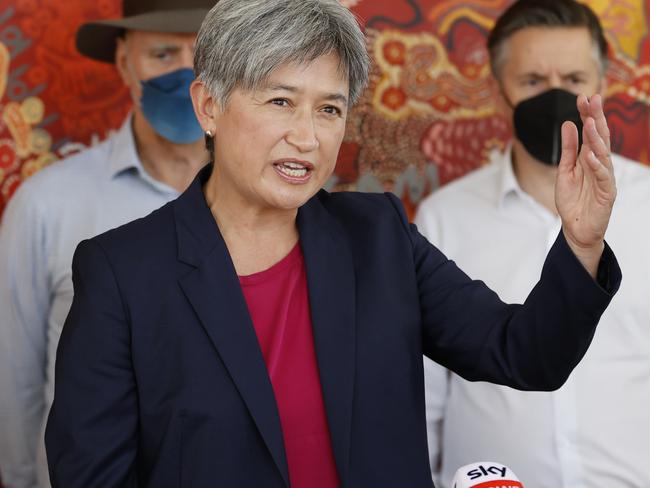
(261, 332)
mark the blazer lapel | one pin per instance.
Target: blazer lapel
(214, 291)
(331, 281)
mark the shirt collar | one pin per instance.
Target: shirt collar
(124, 157)
(508, 184)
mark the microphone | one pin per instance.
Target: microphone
(485, 475)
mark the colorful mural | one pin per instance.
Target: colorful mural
(427, 117)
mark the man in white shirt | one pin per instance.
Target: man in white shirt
(498, 224)
(149, 161)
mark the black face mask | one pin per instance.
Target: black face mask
(538, 123)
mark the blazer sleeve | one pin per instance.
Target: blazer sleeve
(533, 346)
(91, 435)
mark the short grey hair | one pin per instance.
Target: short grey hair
(241, 42)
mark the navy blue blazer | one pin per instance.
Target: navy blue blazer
(160, 381)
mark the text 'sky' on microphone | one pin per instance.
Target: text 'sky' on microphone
(485, 475)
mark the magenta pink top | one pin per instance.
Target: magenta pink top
(278, 302)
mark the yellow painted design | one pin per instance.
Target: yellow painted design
(431, 83)
(5, 58)
(465, 13)
(19, 128)
(19, 119)
(32, 144)
(625, 23)
(32, 110)
(40, 141)
(635, 83)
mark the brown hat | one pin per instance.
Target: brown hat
(97, 40)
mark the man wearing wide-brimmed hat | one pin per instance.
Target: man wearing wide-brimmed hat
(147, 162)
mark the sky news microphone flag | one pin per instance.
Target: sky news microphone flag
(485, 475)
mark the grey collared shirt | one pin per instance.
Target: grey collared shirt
(82, 196)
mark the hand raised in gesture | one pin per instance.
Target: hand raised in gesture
(585, 189)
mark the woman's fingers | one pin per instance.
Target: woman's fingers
(597, 112)
(600, 172)
(593, 108)
(569, 147)
(583, 107)
(594, 143)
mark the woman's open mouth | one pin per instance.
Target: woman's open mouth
(294, 171)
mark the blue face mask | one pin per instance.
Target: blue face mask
(167, 106)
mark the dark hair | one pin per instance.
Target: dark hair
(544, 13)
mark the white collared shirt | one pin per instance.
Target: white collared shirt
(592, 433)
(71, 200)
